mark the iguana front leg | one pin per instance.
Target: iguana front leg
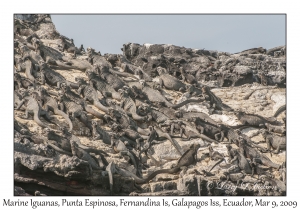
(161, 83)
(20, 104)
(26, 114)
(19, 84)
(79, 90)
(181, 131)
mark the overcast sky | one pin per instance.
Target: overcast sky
(228, 33)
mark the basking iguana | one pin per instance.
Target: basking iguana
(90, 94)
(99, 84)
(215, 102)
(33, 104)
(273, 141)
(50, 103)
(129, 106)
(187, 159)
(253, 119)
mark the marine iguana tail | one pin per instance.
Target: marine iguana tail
(61, 113)
(174, 106)
(279, 110)
(167, 136)
(211, 168)
(188, 158)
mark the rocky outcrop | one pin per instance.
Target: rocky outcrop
(136, 115)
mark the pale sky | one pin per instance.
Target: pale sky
(228, 33)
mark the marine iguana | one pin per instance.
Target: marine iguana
(81, 154)
(76, 110)
(54, 78)
(121, 148)
(252, 153)
(101, 85)
(273, 141)
(33, 104)
(188, 158)
(155, 96)
(215, 101)
(129, 106)
(22, 82)
(168, 81)
(78, 100)
(99, 133)
(209, 130)
(113, 80)
(254, 120)
(50, 103)
(242, 162)
(275, 129)
(90, 94)
(279, 110)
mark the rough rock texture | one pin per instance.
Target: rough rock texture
(115, 149)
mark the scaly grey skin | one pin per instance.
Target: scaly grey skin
(187, 77)
(128, 133)
(192, 132)
(74, 109)
(156, 97)
(257, 169)
(275, 142)
(187, 159)
(129, 106)
(90, 94)
(253, 120)
(160, 116)
(215, 156)
(53, 78)
(81, 154)
(101, 86)
(209, 130)
(152, 139)
(113, 80)
(204, 117)
(120, 147)
(279, 110)
(51, 104)
(63, 138)
(100, 134)
(252, 153)
(78, 100)
(170, 82)
(41, 139)
(167, 136)
(22, 82)
(235, 155)
(33, 104)
(28, 70)
(275, 129)
(215, 101)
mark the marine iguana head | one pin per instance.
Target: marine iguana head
(195, 147)
(161, 70)
(179, 114)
